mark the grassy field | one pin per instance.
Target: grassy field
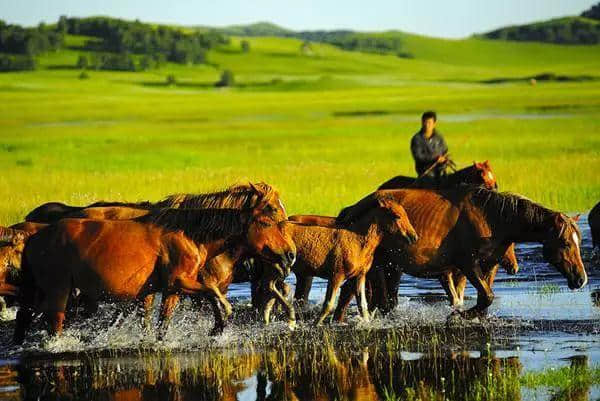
(324, 127)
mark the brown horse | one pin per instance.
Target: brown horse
(471, 228)
(339, 254)
(240, 196)
(130, 259)
(594, 222)
(383, 278)
(479, 174)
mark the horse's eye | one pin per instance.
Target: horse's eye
(264, 224)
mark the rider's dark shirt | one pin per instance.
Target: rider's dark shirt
(426, 151)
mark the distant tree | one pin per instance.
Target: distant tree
(9, 62)
(145, 63)
(82, 62)
(62, 25)
(592, 12)
(171, 81)
(84, 75)
(227, 79)
(245, 46)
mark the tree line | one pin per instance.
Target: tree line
(19, 45)
(570, 30)
(583, 30)
(135, 37)
(117, 44)
(354, 41)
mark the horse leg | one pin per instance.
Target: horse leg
(286, 304)
(54, 306)
(23, 323)
(193, 287)
(447, 282)
(392, 285)
(490, 276)
(55, 321)
(332, 287)
(169, 302)
(303, 286)
(218, 315)
(255, 294)
(145, 311)
(378, 290)
(485, 296)
(346, 295)
(460, 283)
(268, 307)
(361, 298)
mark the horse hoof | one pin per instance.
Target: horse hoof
(216, 331)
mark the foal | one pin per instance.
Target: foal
(339, 254)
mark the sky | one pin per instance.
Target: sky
(440, 18)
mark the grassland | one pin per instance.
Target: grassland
(324, 127)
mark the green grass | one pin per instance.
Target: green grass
(324, 128)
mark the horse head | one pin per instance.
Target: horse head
(562, 250)
(483, 173)
(269, 201)
(400, 223)
(268, 239)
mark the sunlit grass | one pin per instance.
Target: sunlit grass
(324, 129)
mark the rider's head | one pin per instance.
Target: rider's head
(428, 120)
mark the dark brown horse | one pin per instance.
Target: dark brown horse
(594, 222)
(163, 251)
(241, 196)
(479, 174)
(471, 228)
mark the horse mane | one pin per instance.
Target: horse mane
(509, 206)
(138, 205)
(210, 216)
(201, 225)
(239, 196)
(352, 213)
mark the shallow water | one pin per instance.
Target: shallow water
(536, 325)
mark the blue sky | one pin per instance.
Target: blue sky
(443, 18)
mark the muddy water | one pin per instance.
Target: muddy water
(536, 325)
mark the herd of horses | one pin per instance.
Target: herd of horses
(457, 230)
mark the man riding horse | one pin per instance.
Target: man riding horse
(429, 149)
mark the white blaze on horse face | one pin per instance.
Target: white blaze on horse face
(490, 175)
(576, 240)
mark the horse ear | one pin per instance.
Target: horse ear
(576, 217)
(387, 202)
(486, 163)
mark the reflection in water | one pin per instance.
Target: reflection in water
(313, 373)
